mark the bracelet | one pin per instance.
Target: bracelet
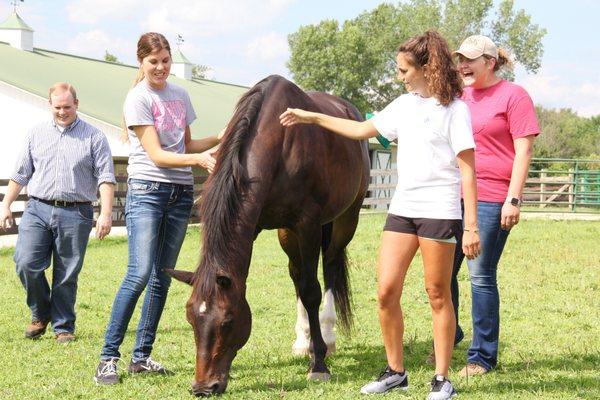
(471, 230)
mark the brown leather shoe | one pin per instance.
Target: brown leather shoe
(472, 370)
(430, 360)
(65, 337)
(36, 329)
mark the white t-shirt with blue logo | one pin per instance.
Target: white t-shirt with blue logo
(170, 111)
(429, 138)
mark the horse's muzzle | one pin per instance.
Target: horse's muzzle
(212, 388)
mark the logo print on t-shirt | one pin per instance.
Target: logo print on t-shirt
(168, 115)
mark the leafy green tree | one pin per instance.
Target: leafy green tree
(110, 57)
(357, 59)
(200, 71)
(566, 135)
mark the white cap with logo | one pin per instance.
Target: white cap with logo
(476, 46)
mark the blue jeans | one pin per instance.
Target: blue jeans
(485, 308)
(58, 235)
(156, 215)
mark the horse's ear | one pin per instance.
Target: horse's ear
(224, 281)
(181, 276)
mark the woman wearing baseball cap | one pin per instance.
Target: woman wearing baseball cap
(504, 127)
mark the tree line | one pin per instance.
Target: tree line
(356, 60)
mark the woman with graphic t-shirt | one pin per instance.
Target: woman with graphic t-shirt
(160, 192)
(435, 155)
(504, 127)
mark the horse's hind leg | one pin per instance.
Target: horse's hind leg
(303, 251)
(327, 318)
(302, 343)
(289, 244)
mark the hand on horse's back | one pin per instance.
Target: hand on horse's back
(294, 116)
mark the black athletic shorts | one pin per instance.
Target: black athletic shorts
(444, 230)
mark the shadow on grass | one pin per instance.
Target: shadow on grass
(576, 374)
(356, 364)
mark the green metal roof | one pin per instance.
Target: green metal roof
(102, 86)
(178, 57)
(15, 22)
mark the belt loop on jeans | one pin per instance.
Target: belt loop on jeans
(62, 203)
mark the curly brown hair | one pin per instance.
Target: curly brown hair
(431, 50)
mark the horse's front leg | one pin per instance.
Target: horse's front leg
(303, 248)
(309, 241)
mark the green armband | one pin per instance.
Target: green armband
(384, 142)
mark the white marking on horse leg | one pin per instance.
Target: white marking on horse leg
(318, 376)
(302, 343)
(328, 319)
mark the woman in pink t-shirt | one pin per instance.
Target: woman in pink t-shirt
(504, 127)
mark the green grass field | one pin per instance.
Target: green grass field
(550, 337)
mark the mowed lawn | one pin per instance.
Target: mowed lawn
(550, 318)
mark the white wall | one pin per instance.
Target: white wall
(21, 39)
(21, 111)
(183, 71)
(17, 118)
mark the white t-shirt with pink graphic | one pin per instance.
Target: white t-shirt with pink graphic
(170, 111)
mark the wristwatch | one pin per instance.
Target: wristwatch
(514, 201)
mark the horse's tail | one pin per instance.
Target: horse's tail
(335, 272)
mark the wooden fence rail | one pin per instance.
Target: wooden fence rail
(543, 188)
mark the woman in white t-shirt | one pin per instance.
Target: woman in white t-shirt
(435, 155)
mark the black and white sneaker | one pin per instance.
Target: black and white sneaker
(441, 389)
(146, 366)
(106, 373)
(388, 380)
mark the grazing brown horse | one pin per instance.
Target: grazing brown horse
(308, 183)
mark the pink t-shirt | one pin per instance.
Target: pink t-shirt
(499, 114)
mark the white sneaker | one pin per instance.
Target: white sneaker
(441, 389)
(388, 380)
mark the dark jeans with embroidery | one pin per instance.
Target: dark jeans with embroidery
(156, 215)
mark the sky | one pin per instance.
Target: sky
(243, 41)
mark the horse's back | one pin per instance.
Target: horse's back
(313, 168)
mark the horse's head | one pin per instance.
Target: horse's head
(221, 324)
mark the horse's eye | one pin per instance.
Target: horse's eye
(227, 324)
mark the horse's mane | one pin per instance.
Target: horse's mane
(225, 189)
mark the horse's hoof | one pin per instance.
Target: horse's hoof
(300, 351)
(318, 376)
(330, 349)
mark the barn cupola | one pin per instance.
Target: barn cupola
(14, 31)
(181, 66)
